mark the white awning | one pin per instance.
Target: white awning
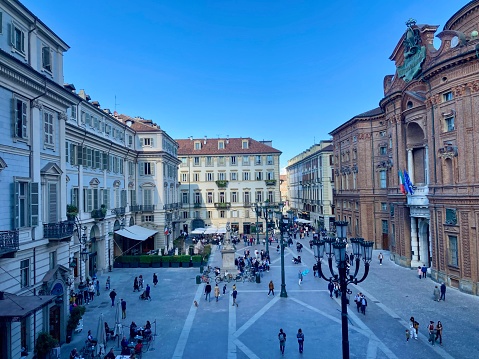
(221, 230)
(301, 220)
(198, 231)
(138, 233)
(211, 230)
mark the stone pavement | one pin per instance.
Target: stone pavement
(220, 330)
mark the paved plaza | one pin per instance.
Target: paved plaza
(220, 330)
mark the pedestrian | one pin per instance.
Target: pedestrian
(432, 332)
(217, 291)
(271, 287)
(408, 335)
(380, 257)
(330, 288)
(413, 327)
(357, 300)
(315, 269)
(419, 272)
(97, 284)
(443, 292)
(300, 337)
(300, 277)
(364, 304)
(282, 340)
(439, 332)
(86, 295)
(123, 308)
(147, 291)
(424, 271)
(136, 286)
(234, 287)
(155, 279)
(336, 289)
(208, 291)
(224, 289)
(277, 248)
(234, 294)
(91, 291)
(110, 355)
(436, 294)
(80, 298)
(112, 297)
(108, 283)
(140, 282)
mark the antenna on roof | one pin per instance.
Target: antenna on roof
(116, 103)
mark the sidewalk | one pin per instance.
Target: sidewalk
(220, 330)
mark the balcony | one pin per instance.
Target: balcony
(120, 211)
(58, 231)
(135, 208)
(170, 206)
(222, 205)
(98, 214)
(222, 183)
(419, 198)
(197, 205)
(148, 208)
(271, 182)
(8, 242)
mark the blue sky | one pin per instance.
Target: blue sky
(286, 71)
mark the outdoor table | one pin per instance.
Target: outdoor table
(122, 357)
(138, 337)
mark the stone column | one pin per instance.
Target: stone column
(426, 165)
(414, 243)
(228, 253)
(410, 164)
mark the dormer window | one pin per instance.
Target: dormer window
(197, 145)
(221, 145)
(46, 58)
(244, 144)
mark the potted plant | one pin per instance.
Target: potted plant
(145, 261)
(75, 315)
(44, 345)
(103, 210)
(196, 260)
(175, 261)
(156, 261)
(165, 261)
(72, 212)
(184, 260)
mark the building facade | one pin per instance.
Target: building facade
(310, 178)
(221, 180)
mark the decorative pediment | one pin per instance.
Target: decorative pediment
(448, 151)
(51, 169)
(345, 170)
(131, 184)
(116, 183)
(384, 165)
(95, 182)
(3, 164)
(148, 184)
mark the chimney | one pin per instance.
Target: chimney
(96, 104)
(82, 94)
(129, 122)
(107, 111)
(227, 139)
(204, 141)
(70, 87)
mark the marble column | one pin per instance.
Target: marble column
(414, 243)
(410, 164)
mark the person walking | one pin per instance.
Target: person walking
(408, 335)
(108, 283)
(123, 308)
(271, 287)
(364, 304)
(91, 291)
(431, 331)
(155, 279)
(136, 286)
(357, 300)
(140, 282)
(443, 292)
(112, 297)
(300, 277)
(380, 257)
(208, 291)
(300, 337)
(282, 340)
(419, 272)
(438, 332)
(217, 291)
(330, 288)
(413, 327)
(436, 293)
(234, 294)
(97, 285)
(224, 289)
(147, 291)
(86, 295)
(424, 271)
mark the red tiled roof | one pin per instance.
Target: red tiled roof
(231, 146)
(139, 124)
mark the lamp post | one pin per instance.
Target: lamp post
(283, 224)
(336, 247)
(84, 253)
(257, 208)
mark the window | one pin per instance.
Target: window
(259, 176)
(234, 176)
(147, 141)
(384, 206)
(209, 197)
(196, 177)
(17, 38)
(130, 140)
(246, 197)
(131, 168)
(382, 134)
(184, 177)
(147, 168)
(383, 151)
(222, 214)
(447, 96)
(197, 197)
(209, 176)
(25, 273)
(221, 145)
(221, 176)
(48, 129)
(449, 122)
(390, 142)
(244, 144)
(451, 216)
(26, 204)
(46, 58)
(453, 259)
(196, 161)
(234, 196)
(197, 145)
(20, 116)
(209, 214)
(221, 160)
(222, 197)
(257, 160)
(355, 138)
(259, 196)
(147, 218)
(209, 161)
(271, 196)
(246, 176)
(269, 160)
(382, 179)
(245, 160)
(73, 112)
(270, 175)
(185, 214)
(184, 198)
(233, 160)
(75, 197)
(147, 196)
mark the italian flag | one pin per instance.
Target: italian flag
(401, 182)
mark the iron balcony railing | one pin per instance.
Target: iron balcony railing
(172, 206)
(9, 241)
(120, 211)
(148, 208)
(222, 205)
(135, 208)
(60, 230)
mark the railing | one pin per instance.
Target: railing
(173, 206)
(222, 183)
(120, 211)
(197, 205)
(222, 205)
(270, 182)
(98, 214)
(60, 230)
(135, 208)
(148, 208)
(9, 241)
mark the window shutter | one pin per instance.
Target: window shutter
(152, 142)
(85, 157)
(141, 168)
(67, 152)
(121, 165)
(141, 142)
(133, 197)
(152, 168)
(123, 198)
(46, 58)
(16, 207)
(89, 200)
(34, 204)
(106, 195)
(52, 204)
(74, 198)
(105, 161)
(80, 155)
(11, 31)
(24, 120)
(142, 218)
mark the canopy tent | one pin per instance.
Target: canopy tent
(198, 231)
(301, 220)
(137, 233)
(221, 230)
(211, 230)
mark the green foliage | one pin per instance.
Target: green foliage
(45, 343)
(72, 210)
(166, 259)
(155, 259)
(145, 259)
(75, 316)
(206, 252)
(197, 259)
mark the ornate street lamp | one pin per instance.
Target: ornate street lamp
(336, 247)
(257, 208)
(283, 224)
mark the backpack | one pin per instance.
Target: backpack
(416, 325)
(281, 337)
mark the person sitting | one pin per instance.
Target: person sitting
(124, 346)
(147, 330)
(138, 347)
(90, 339)
(110, 355)
(133, 328)
(109, 332)
(74, 354)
